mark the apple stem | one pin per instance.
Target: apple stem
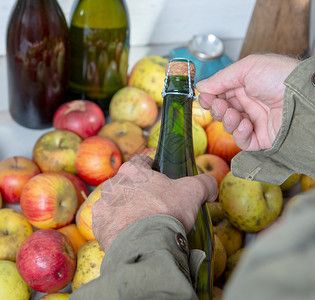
(84, 195)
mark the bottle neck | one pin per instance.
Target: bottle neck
(36, 3)
(175, 155)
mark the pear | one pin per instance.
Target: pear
(89, 259)
(219, 257)
(250, 205)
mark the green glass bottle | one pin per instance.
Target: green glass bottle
(99, 49)
(175, 156)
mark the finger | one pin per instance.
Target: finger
(231, 120)
(243, 134)
(229, 78)
(205, 100)
(218, 108)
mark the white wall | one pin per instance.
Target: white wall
(159, 25)
(168, 21)
(156, 26)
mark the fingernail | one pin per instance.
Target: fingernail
(227, 119)
(215, 110)
(241, 126)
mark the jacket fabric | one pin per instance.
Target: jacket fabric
(146, 261)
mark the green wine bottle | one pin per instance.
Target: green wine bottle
(99, 49)
(175, 157)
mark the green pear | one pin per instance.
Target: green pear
(250, 205)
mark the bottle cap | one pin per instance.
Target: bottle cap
(181, 67)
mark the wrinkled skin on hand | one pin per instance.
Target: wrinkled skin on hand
(247, 97)
(137, 192)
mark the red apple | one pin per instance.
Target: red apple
(85, 118)
(56, 150)
(213, 165)
(15, 172)
(79, 186)
(220, 142)
(49, 200)
(98, 159)
(46, 261)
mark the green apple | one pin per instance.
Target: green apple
(56, 150)
(250, 205)
(12, 286)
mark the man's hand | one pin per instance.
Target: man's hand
(247, 97)
(137, 192)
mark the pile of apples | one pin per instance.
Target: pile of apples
(46, 237)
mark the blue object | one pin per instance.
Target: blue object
(204, 69)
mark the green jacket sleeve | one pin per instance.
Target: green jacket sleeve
(293, 150)
(280, 264)
(146, 261)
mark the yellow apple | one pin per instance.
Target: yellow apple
(84, 214)
(126, 135)
(148, 74)
(199, 137)
(89, 259)
(134, 105)
(201, 115)
(250, 205)
(14, 229)
(12, 286)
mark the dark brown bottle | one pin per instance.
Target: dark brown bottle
(37, 61)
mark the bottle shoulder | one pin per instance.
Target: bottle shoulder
(100, 14)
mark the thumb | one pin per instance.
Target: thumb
(210, 186)
(203, 187)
